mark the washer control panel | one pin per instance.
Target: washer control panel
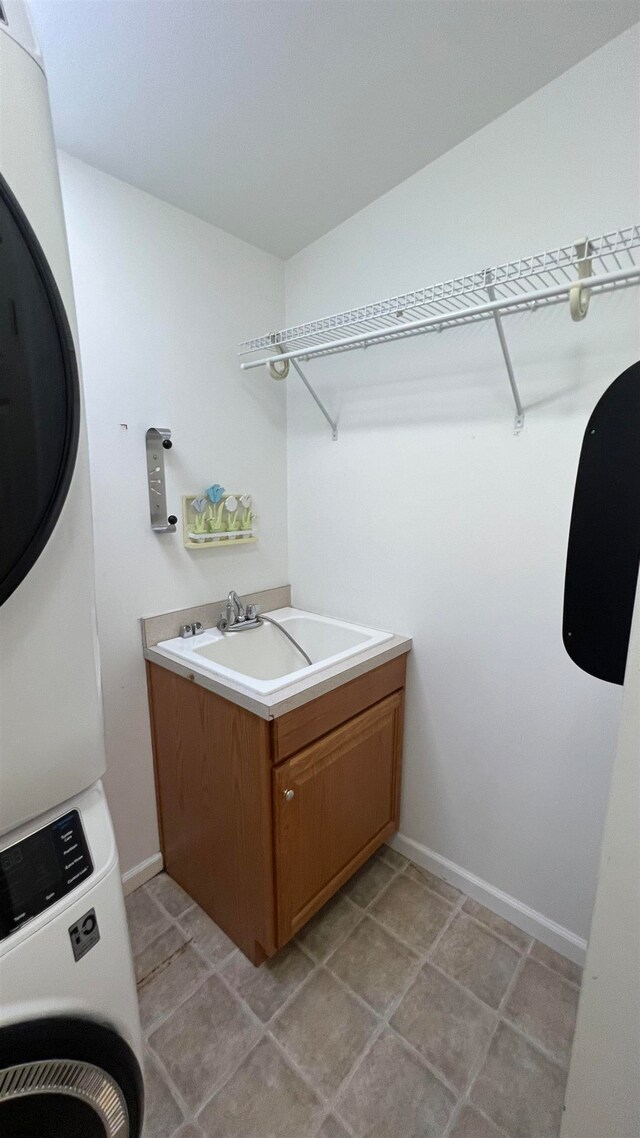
(42, 868)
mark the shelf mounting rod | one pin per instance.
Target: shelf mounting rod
(518, 422)
(332, 424)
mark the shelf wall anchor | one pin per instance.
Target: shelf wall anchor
(518, 422)
(158, 440)
(279, 371)
(579, 297)
(332, 424)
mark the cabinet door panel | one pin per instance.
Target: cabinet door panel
(344, 804)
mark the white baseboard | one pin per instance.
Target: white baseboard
(137, 876)
(531, 922)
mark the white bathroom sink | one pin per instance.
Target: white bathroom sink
(263, 660)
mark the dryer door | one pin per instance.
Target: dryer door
(39, 397)
(70, 1077)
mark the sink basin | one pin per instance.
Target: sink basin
(262, 660)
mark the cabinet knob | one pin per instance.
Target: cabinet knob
(288, 794)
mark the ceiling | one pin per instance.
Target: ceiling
(278, 119)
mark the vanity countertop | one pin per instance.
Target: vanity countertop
(273, 704)
(279, 703)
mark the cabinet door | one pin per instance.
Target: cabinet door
(335, 802)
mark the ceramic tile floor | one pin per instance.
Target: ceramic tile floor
(403, 1010)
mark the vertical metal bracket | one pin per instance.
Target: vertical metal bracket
(518, 422)
(332, 424)
(579, 297)
(158, 439)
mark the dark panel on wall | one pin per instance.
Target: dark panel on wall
(604, 540)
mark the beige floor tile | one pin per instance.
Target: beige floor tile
(470, 1124)
(146, 921)
(210, 940)
(331, 1128)
(368, 882)
(391, 1095)
(435, 884)
(167, 987)
(519, 1088)
(189, 1130)
(265, 1098)
(412, 912)
(558, 963)
(325, 1030)
(266, 988)
(392, 857)
(158, 953)
(445, 1024)
(162, 1115)
(516, 938)
(373, 964)
(169, 894)
(204, 1040)
(323, 933)
(476, 959)
(544, 1006)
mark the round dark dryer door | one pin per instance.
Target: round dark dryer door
(68, 1077)
(39, 397)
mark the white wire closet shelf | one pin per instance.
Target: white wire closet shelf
(570, 273)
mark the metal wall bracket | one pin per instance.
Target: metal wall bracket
(330, 421)
(579, 297)
(158, 439)
(518, 422)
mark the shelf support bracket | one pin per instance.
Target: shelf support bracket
(332, 424)
(518, 422)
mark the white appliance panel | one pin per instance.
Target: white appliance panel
(39, 975)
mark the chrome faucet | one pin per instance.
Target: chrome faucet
(235, 608)
(237, 618)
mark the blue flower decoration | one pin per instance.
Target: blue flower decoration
(214, 493)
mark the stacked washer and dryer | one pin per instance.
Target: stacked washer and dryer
(70, 1045)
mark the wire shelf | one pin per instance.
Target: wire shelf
(527, 283)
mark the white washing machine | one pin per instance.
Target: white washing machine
(70, 1046)
(49, 680)
(69, 1027)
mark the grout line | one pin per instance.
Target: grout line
(537, 1046)
(455, 1091)
(161, 1019)
(500, 936)
(460, 1106)
(382, 1023)
(185, 1110)
(162, 965)
(484, 1051)
(395, 874)
(572, 983)
(420, 951)
(511, 985)
(265, 1032)
(502, 1012)
(457, 908)
(384, 1020)
(318, 960)
(222, 1081)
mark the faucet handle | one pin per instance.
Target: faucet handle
(186, 630)
(197, 628)
(252, 612)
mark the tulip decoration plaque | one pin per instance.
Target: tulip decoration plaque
(216, 518)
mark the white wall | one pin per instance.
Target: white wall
(428, 516)
(162, 301)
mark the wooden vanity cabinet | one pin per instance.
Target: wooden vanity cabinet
(261, 821)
